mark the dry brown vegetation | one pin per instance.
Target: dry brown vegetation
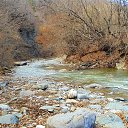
(83, 27)
(71, 27)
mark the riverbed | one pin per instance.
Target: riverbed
(114, 81)
(45, 88)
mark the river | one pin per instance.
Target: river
(55, 69)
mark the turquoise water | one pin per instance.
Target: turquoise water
(52, 69)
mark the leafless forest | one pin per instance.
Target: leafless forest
(45, 28)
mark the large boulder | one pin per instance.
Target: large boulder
(9, 119)
(117, 106)
(110, 120)
(77, 119)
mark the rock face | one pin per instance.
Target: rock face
(78, 119)
(9, 119)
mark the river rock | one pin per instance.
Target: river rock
(4, 84)
(94, 85)
(127, 118)
(65, 88)
(48, 108)
(117, 106)
(110, 120)
(65, 109)
(98, 107)
(78, 119)
(25, 93)
(20, 63)
(82, 96)
(9, 119)
(42, 86)
(4, 107)
(40, 126)
(71, 101)
(72, 94)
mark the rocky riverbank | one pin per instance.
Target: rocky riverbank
(49, 103)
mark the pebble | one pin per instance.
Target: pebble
(40, 126)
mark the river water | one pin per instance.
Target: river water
(55, 69)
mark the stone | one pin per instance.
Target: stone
(73, 109)
(110, 99)
(4, 112)
(4, 84)
(20, 63)
(9, 119)
(117, 106)
(19, 115)
(40, 126)
(65, 88)
(82, 96)
(120, 65)
(63, 70)
(127, 118)
(94, 86)
(24, 110)
(42, 86)
(4, 107)
(110, 120)
(121, 99)
(98, 107)
(72, 94)
(65, 109)
(70, 101)
(25, 93)
(77, 119)
(48, 108)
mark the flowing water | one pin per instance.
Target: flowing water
(55, 69)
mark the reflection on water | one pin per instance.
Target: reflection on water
(55, 69)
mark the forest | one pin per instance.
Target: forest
(93, 33)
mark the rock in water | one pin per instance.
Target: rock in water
(21, 63)
(72, 94)
(9, 119)
(78, 119)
